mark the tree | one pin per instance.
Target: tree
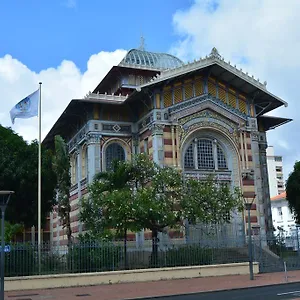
(19, 172)
(61, 166)
(208, 201)
(293, 191)
(159, 191)
(111, 205)
(143, 195)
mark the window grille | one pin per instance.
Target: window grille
(221, 158)
(209, 155)
(114, 152)
(205, 154)
(189, 158)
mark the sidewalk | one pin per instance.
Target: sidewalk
(159, 288)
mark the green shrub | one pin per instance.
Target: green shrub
(21, 261)
(52, 263)
(190, 255)
(94, 257)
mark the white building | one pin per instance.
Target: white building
(283, 219)
(275, 172)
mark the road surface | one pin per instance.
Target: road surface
(272, 292)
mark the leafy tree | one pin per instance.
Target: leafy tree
(61, 166)
(208, 201)
(19, 172)
(111, 205)
(293, 191)
(140, 194)
(158, 196)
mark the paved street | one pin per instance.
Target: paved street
(276, 292)
(264, 286)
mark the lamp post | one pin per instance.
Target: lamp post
(4, 199)
(248, 204)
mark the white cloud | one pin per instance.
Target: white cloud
(60, 85)
(263, 37)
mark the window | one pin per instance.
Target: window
(205, 154)
(278, 169)
(279, 209)
(114, 152)
(278, 158)
(146, 148)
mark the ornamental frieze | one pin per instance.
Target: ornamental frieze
(201, 102)
(203, 119)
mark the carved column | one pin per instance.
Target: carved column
(258, 183)
(94, 154)
(265, 182)
(158, 145)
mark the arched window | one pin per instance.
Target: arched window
(114, 152)
(205, 154)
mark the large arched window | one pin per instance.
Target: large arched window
(205, 154)
(114, 152)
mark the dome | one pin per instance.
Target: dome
(150, 59)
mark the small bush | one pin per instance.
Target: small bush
(188, 256)
(94, 257)
(21, 261)
(52, 263)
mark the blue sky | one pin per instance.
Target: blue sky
(71, 44)
(43, 33)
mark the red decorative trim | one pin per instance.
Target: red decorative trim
(253, 219)
(248, 182)
(74, 197)
(167, 129)
(167, 141)
(168, 154)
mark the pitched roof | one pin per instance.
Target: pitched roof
(279, 197)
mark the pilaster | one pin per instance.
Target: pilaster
(94, 154)
(258, 183)
(158, 145)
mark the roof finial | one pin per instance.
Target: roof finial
(142, 45)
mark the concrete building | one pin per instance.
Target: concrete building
(275, 172)
(283, 219)
(204, 117)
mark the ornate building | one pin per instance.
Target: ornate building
(204, 117)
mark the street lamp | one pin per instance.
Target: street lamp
(248, 204)
(4, 199)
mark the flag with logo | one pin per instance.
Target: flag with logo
(26, 108)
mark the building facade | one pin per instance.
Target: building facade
(283, 218)
(205, 117)
(275, 172)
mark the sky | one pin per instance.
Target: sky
(70, 45)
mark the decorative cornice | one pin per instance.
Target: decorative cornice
(157, 129)
(105, 98)
(180, 110)
(93, 138)
(214, 57)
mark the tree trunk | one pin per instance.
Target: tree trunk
(125, 250)
(154, 256)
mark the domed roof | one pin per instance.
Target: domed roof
(151, 59)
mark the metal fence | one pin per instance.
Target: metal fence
(274, 254)
(81, 257)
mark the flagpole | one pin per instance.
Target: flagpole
(40, 177)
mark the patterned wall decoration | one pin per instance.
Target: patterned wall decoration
(207, 118)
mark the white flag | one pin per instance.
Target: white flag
(26, 108)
